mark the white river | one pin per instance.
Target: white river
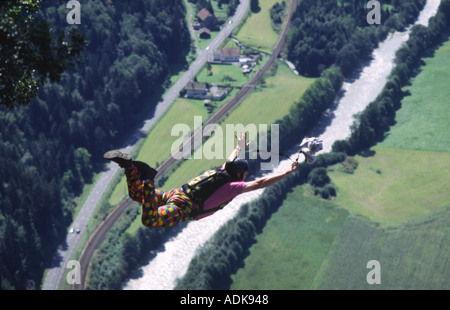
(172, 260)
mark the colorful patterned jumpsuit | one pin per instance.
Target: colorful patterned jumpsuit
(159, 209)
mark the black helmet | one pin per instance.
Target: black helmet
(237, 166)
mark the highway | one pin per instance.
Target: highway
(57, 271)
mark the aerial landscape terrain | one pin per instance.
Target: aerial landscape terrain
(173, 83)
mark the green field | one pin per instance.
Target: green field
(223, 74)
(394, 185)
(265, 37)
(411, 256)
(311, 243)
(293, 245)
(423, 121)
(394, 208)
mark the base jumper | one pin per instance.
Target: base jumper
(198, 198)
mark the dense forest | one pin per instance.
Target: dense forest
(324, 32)
(51, 147)
(30, 53)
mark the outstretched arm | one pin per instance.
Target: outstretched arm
(241, 145)
(269, 180)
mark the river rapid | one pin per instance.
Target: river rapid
(171, 261)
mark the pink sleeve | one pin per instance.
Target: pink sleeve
(225, 193)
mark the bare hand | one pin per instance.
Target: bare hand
(242, 141)
(292, 168)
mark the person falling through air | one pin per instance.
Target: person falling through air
(200, 197)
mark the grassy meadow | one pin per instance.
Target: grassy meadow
(265, 38)
(411, 256)
(223, 75)
(311, 243)
(394, 208)
(294, 243)
(395, 185)
(423, 121)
